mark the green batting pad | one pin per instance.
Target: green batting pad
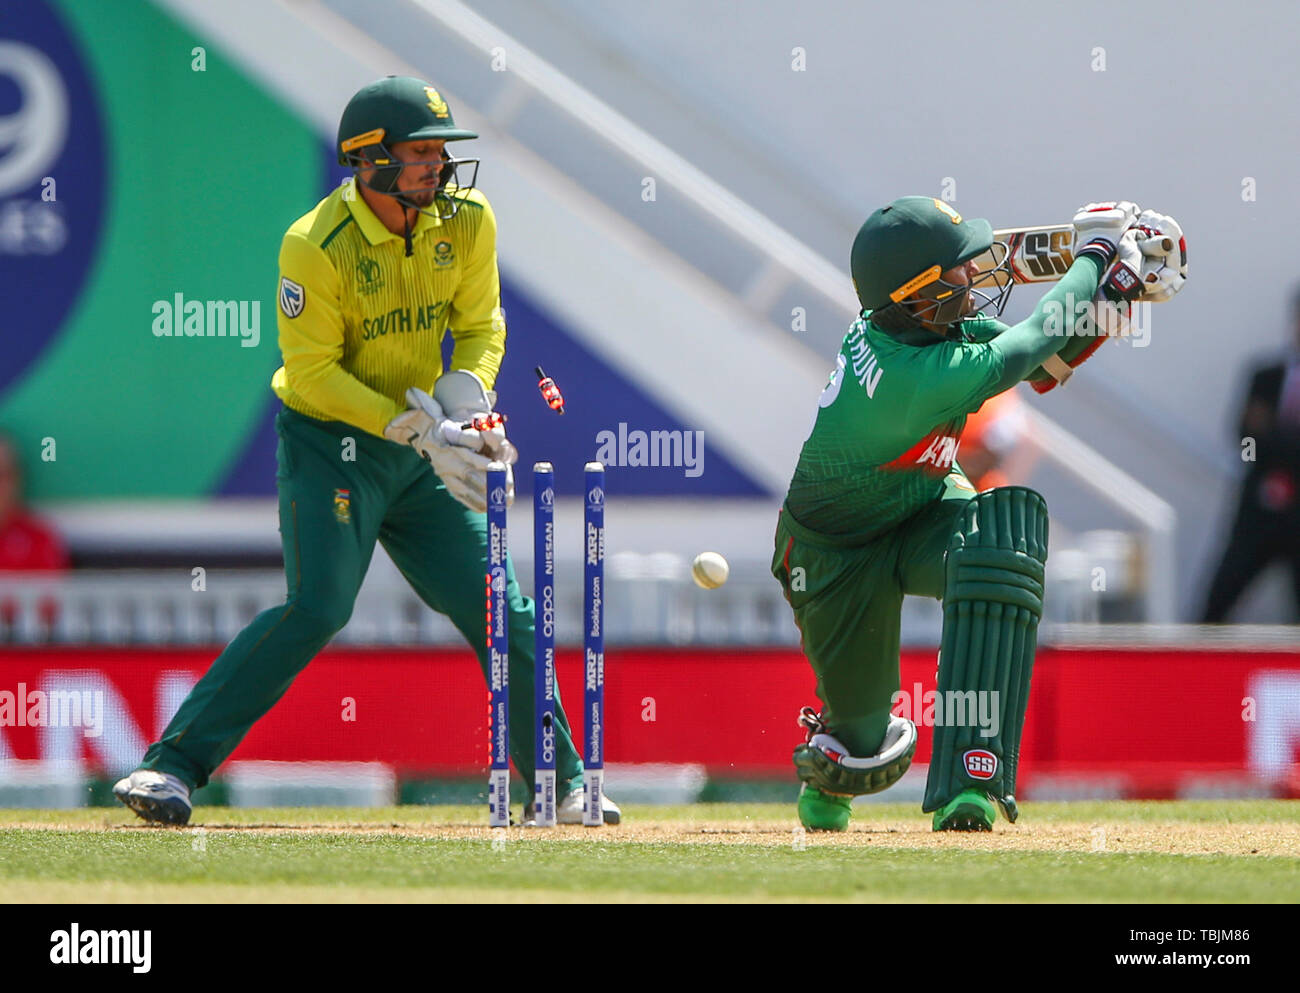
(993, 600)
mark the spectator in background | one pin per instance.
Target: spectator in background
(1267, 525)
(990, 440)
(27, 543)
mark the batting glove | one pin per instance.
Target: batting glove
(1163, 271)
(1098, 228)
(1122, 282)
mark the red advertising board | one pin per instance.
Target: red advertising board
(1151, 722)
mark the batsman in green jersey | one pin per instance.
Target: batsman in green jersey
(377, 441)
(879, 508)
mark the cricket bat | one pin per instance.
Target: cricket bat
(1044, 253)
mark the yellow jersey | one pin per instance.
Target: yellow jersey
(360, 320)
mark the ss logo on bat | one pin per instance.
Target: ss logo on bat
(1048, 254)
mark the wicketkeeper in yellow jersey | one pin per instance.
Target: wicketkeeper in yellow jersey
(371, 279)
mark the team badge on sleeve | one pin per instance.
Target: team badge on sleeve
(292, 297)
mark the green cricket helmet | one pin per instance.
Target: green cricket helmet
(396, 109)
(904, 248)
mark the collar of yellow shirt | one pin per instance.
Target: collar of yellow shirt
(373, 228)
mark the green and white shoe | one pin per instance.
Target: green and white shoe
(969, 810)
(820, 811)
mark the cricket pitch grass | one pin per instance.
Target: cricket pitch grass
(1176, 851)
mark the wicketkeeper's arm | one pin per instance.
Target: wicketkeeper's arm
(312, 344)
(476, 320)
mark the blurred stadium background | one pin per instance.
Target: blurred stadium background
(676, 187)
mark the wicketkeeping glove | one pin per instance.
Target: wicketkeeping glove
(462, 470)
(465, 399)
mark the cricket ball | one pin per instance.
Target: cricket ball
(709, 570)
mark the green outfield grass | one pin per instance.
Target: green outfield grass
(1184, 852)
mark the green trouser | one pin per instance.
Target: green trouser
(332, 510)
(847, 604)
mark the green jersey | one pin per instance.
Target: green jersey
(890, 419)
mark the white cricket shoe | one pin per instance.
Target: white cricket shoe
(158, 797)
(569, 810)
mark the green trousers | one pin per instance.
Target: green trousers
(848, 604)
(342, 489)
